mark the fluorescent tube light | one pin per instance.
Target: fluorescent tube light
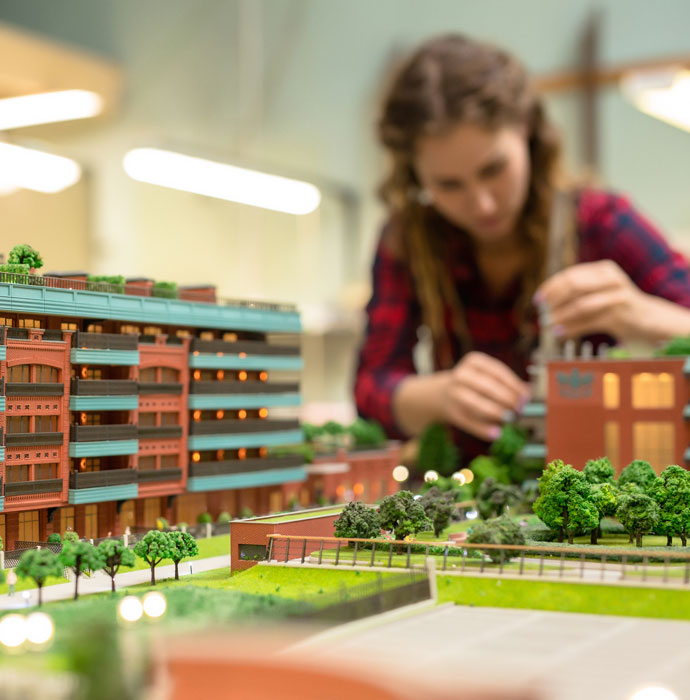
(664, 94)
(36, 170)
(48, 107)
(190, 174)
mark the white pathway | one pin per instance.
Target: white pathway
(100, 582)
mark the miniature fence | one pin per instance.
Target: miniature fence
(650, 567)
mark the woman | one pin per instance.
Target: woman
(471, 195)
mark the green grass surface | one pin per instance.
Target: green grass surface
(565, 597)
(288, 517)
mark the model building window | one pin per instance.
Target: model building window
(182, 333)
(92, 373)
(253, 552)
(170, 461)
(46, 375)
(46, 424)
(90, 464)
(169, 418)
(152, 330)
(19, 373)
(29, 323)
(89, 418)
(654, 442)
(127, 515)
(6, 322)
(230, 337)
(652, 390)
(66, 520)
(91, 521)
(147, 464)
(18, 472)
(68, 326)
(611, 390)
(148, 374)
(94, 328)
(611, 443)
(152, 511)
(207, 335)
(46, 471)
(132, 330)
(28, 526)
(18, 424)
(170, 375)
(147, 419)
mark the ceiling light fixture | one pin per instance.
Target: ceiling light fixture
(48, 107)
(661, 93)
(222, 181)
(36, 170)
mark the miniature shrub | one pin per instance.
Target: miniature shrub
(70, 536)
(223, 518)
(358, 520)
(246, 513)
(167, 290)
(503, 530)
(118, 281)
(24, 254)
(437, 451)
(15, 268)
(54, 537)
(182, 525)
(204, 518)
(162, 524)
(367, 433)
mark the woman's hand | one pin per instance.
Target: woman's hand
(596, 297)
(480, 394)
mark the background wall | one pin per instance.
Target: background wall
(292, 86)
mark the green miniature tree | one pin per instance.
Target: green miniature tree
(114, 555)
(223, 518)
(80, 557)
(358, 520)
(54, 538)
(438, 506)
(437, 451)
(484, 467)
(70, 536)
(565, 502)
(402, 515)
(676, 346)
(605, 499)
(599, 471)
(153, 547)
(367, 433)
(503, 530)
(182, 545)
(638, 513)
(38, 565)
(507, 448)
(204, 518)
(493, 498)
(672, 493)
(24, 254)
(638, 472)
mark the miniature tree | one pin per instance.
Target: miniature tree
(565, 502)
(401, 514)
(437, 451)
(114, 555)
(638, 472)
(54, 538)
(367, 433)
(70, 536)
(605, 499)
(484, 467)
(672, 493)
(507, 448)
(358, 520)
(438, 506)
(38, 565)
(153, 547)
(638, 513)
(80, 557)
(25, 255)
(182, 545)
(503, 530)
(493, 498)
(599, 471)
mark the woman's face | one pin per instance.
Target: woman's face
(477, 178)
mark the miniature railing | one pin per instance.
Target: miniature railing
(110, 477)
(160, 388)
(34, 389)
(237, 387)
(95, 433)
(575, 564)
(154, 475)
(33, 439)
(146, 339)
(251, 347)
(105, 341)
(221, 427)
(22, 488)
(149, 432)
(107, 288)
(238, 466)
(103, 387)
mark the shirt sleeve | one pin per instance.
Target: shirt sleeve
(612, 229)
(386, 358)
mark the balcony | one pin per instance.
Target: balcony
(223, 427)
(22, 488)
(251, 347)
(160, 432)
(160, 388)
(223, 387)
(33, 439)
(239, 466)
(99, 433)
(111, 477)
(34, 389)
(105, 341)
(155, 475)
(103, 387)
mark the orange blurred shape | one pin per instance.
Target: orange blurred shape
(340, 491)
(220, 374)
(263, 451)
(220, 414)
(358, 489)
(242, 355)
(241, 414)
(263, 376)
(263, 412)
(197, 374)
(196, 457)
(196, 415)
(220, 454)
(242, 376)
(242, 453)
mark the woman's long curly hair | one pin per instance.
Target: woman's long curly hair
(448, 81)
